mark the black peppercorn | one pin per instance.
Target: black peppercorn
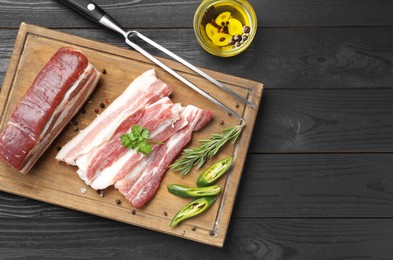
(101, 193)
(237, 37)
(244, 37)
(246, 29)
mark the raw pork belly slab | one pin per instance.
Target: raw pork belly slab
(57, 93)
(103, 161)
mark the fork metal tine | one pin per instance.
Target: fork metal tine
(181, 78)
(192, 67)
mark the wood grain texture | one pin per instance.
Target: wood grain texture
(155, 13)
(295, 58)
(320, 121)
(90, 237)
(317, 185)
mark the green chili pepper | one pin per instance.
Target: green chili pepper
(191, 192)
(214, 172)
(193, 209)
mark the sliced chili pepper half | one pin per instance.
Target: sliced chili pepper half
(191, 192)
(193, 209)
(214, 172)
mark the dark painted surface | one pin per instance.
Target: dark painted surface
(318, 181)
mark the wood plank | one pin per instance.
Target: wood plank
(56, 183)
(324, 121)
(283, 185)
(48, 238)
(7, 39)
(316, 185)
(155, 13)
(14, 206)
(280, 57)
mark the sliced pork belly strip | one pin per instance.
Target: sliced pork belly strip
(56, 94)
(144, 90)
(125, 185)
(128, 168)
(103, 155)
(159, 160)
(161, 123)
(93, 162)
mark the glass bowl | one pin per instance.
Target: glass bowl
(215, 13)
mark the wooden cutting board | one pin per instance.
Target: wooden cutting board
(54, 182)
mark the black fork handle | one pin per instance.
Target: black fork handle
(92, 11)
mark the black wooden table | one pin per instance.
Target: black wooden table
(318, 181)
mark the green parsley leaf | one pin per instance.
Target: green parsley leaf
(145, 148)
(136, 130)
(145, 133)
(126, 140)
(138, 139)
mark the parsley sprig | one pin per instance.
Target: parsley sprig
(138, 139)
(197, 156)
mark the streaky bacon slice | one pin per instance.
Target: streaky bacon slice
(144, 90)
(161, 127)
(134, 171)
(128, 170)
(95, 159)
(56, 94)
(156, 164)
(92, 163)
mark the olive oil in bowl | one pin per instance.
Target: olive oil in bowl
(225, 28)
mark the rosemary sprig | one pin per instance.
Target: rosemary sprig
(198, 155)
